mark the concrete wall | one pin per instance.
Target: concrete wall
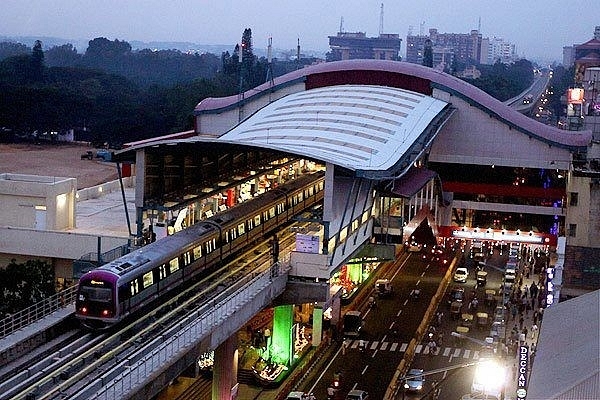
(216, 124)
(53, 244)
(21, 194)
(474, 137)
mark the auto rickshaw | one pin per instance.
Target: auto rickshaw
(482, 320)
(490, 296)
(455, 309)
(481, 278)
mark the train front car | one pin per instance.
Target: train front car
(96, 302)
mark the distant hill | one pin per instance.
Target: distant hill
(81, 45)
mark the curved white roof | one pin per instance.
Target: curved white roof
(359, 127)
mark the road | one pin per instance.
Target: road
(455, 351)
(372, 369)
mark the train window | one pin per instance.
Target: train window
(354, 225)
(197, 252)
(233, 233)
(173, 265)
(103, 295)
(241, 229)
(250, 223)
(311, 191)
(187, 258)
(147, 279)
(210, 245)
(162, 271)
(226, 236)
(134, 287)
(257, 220)
(272, 212)
(320, 186)
(280, 208)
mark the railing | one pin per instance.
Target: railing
(37, 311)
(206, 319)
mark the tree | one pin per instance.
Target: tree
(37, 62)
(428, 53)
(63, 56)
(22, 285)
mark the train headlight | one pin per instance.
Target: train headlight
(105, 313)
(84, 310)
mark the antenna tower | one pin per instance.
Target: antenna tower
(479, 25)
(422, 28)
(342, 24)
(381, 20)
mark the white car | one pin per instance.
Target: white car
(461, 274)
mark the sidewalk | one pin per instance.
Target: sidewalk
(523, 328)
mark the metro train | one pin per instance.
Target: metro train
(108, 294)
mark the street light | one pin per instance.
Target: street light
(489, 379)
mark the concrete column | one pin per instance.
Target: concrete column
(225, 370)
(317, 328)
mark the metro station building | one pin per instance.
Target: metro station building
(403, 147)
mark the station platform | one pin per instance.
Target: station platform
(32, 335)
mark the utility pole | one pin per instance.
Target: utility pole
(381, 20)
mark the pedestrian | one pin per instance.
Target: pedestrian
(527, 271)
(525, 292)
(513, 311)
(536, 314)
(525, 304)
(525, 331)
(344, 346)
(521, 320)
(534, 329)
(330, 393)
(522, 338)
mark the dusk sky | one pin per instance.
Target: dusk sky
(539, 29)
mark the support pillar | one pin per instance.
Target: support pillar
(224, 384)
(317, 328)
(281, 349)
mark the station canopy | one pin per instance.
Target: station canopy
(375, 131)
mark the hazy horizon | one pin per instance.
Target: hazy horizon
(537, 28)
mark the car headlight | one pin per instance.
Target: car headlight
(406, 386)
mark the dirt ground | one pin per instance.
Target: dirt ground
(61, 160)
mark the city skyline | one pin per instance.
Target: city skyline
(537, 28)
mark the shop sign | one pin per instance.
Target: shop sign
(522, 372)
(307, 243)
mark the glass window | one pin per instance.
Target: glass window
(187, 258)
(173, 265)
(103, 295)
(574, 198)
(197, 252)
(272, 212)
(572, 230)
(147, 279)
(257, 220)
(162, 272)
(241, 229)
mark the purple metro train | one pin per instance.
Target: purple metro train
(111, 292)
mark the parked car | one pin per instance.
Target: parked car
(461, 274)
(414, 382)
(356, 394)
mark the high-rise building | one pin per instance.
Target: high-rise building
(356, 45)
(462, 46)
